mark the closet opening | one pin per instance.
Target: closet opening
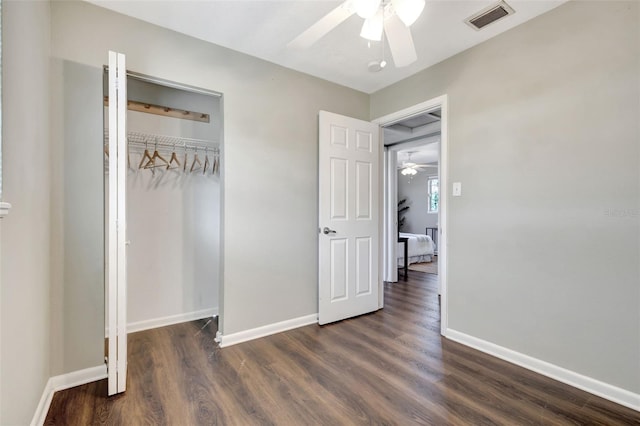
(173, 196)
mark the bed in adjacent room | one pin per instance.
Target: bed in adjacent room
(420, 247)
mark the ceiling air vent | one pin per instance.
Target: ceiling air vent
(489, 15)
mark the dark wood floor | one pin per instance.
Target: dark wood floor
(389, 367)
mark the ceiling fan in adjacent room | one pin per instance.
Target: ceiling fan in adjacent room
(393, 17)
(409, 168)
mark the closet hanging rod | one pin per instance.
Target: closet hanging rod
(146, 139)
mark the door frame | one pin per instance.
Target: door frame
(389, 119)
(214, 94)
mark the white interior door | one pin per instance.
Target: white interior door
(116, 277)
(349, 217)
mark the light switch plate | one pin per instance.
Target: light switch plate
(457, 189)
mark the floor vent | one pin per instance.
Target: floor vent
(489, 15)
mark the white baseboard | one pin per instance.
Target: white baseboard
(134, 327)
(65, 381)
(243, 336)
(577, 380)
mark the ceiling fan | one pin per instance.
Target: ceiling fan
(393, 17)
(410, 169)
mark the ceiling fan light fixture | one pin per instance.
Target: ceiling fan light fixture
(366, 8)
(377, 65)
(372, 27)
(409, 171)
(408, 10)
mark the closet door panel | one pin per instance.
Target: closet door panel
(116, 277)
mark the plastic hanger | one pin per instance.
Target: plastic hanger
(184, 167)
(145, 156)
(128, 156)
(216, 164)
(152, 162)
(195, 160)
(206, 160)
(174, 158)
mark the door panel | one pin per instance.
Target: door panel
(363, 189)
(339, 269)
(116, 217)
(348, 217)
(363, 141)
(363, 265)
(338, 195)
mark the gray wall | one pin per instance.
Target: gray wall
(543, 252)
(414, 189)
(24, 267)
(270, 206)
(77, 215)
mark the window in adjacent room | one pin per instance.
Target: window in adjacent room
(433, 200)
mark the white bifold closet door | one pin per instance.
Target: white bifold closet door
(116, 264)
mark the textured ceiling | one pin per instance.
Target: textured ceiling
(263, 29)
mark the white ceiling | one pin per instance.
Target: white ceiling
(263, 28)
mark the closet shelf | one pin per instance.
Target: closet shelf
(143, 140)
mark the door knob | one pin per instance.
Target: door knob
(328, 231)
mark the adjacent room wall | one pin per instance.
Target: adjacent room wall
(543, 252)
(270, 159)
(24, 267)
(415, 189)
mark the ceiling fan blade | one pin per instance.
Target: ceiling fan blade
(322, 27)
(400, 41)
